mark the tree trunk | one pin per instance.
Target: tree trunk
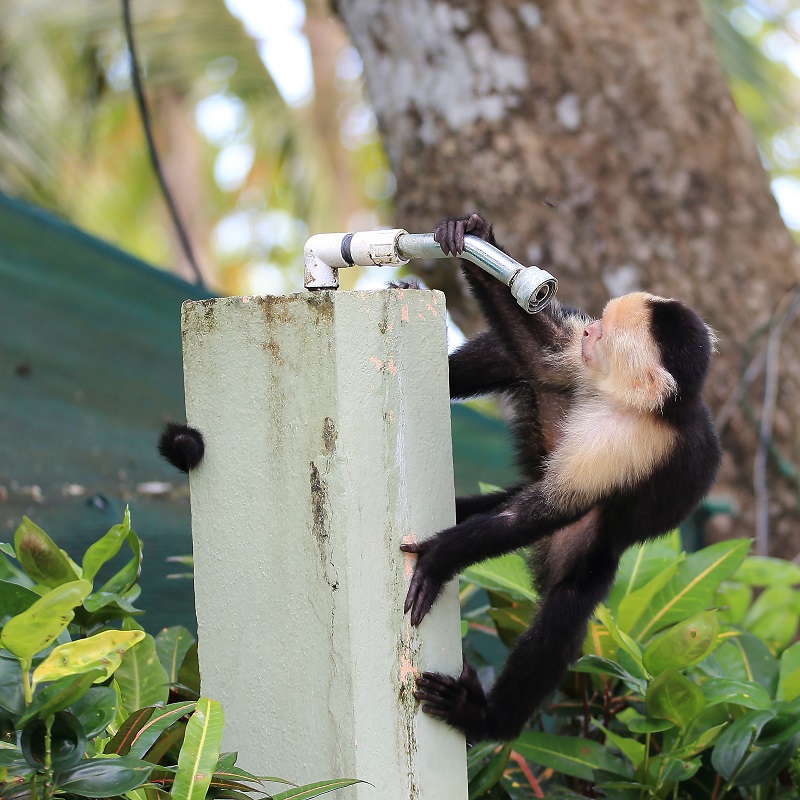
(602, 141)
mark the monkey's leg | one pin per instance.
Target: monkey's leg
(534, 667)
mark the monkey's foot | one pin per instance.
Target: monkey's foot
(450, 232)
(460, 702)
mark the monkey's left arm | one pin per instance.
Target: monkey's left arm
(526, 517)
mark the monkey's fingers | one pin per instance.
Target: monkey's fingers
(446, 235)
(413, 547)
(435, 684)
(422, 593)
(478, 226)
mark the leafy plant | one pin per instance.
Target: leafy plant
(84, 706)
(688, 686)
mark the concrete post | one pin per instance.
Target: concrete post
(327, 445)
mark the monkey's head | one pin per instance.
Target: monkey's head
(647, 350)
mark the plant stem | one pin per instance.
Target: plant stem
(27, 692)
(646, 762)
(48, 762)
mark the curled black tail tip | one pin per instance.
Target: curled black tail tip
(181, 445)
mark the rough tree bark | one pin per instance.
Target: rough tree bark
(601, 139)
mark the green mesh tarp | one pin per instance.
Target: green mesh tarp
(90, 368)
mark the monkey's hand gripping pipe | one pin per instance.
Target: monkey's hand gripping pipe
(326, 253)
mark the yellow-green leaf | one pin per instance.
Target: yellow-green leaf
(103, 650)
(673, 697)
(684, 644)
(106, 547)
(40, 557)
(199, 752)
(40, 625)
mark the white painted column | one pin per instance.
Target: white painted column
(327, 431)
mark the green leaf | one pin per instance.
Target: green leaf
(14, 599)
(638, 566)
(39, 556)
(783, 726)
(129, 574)
(746, 658)
(96, 709)
(637, 603)
(569, 755)
(732, 601)
(789, 678)
(67, 745)
(102, 651)
(105, 548)
(140, 731)
(37, 627)
(684, 644)
(725, 690)
(172, 644)
(189, 673)
(11, 694)
(507, 573)
(200, 751)
(733, 746)
(625, 642)
(490, 772)
(103, 777)
(142, 680)
(668, 769)
(605, 666)
(645, 725)
(58, 696)
(314, 789)
(632, 750)
(693, 586)
(765, 763)
(672, 696)
(511, 622)
(121, 742)
(774, 616)
(763, 571)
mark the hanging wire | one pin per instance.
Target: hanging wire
(144, 114)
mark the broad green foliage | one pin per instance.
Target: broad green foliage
(688, 681)
(76, 737)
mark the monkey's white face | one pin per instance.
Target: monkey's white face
(621, 357)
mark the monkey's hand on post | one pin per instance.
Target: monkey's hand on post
(460, 702)
(450, 233)
(427, 582)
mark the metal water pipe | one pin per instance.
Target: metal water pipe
(326, 253)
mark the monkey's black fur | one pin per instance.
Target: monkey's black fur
(181, 445)
(578, 532)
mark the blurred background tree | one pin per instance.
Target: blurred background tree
(265, 135)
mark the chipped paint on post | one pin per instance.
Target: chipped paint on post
(326, 419)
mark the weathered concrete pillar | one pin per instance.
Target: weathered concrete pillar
(327, 445)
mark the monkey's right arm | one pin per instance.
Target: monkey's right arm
(529, 340)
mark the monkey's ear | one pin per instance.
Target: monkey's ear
(656, 387)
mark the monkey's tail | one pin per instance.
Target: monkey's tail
(181, 445)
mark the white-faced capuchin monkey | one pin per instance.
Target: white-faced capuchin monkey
(617, 447)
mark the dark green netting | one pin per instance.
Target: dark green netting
(90, 368)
